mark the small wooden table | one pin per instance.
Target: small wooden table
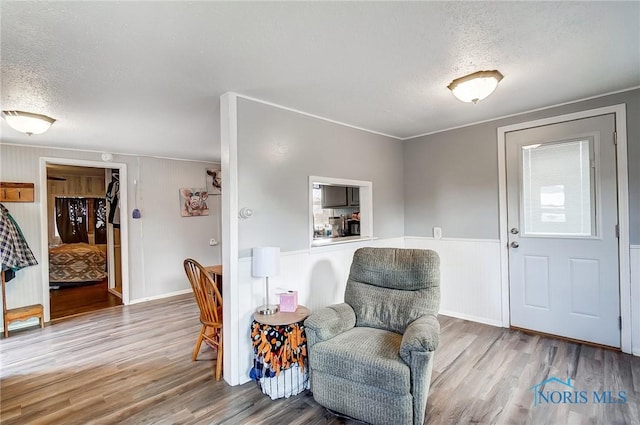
(282, 318)
(216, 273)
(286, 373)
(217, 270)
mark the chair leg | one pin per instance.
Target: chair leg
(197, 349)
(219, 359)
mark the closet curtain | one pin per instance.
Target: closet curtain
(100, 220)
(71, 219)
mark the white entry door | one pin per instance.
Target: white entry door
(562, 224)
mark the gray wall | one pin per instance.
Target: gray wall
(451, 178)
(277, 152)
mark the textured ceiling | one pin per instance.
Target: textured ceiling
(145, 77)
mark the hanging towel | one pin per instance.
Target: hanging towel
(14, 250)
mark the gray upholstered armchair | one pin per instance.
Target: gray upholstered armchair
(371, 357)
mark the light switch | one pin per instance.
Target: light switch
(437, 233)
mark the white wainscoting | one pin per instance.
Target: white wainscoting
(470, 281)
(319, 275)
(469, 277)
(635, 299)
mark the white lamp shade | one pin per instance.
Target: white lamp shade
(27, 122)
(266, 261)
(476, 86)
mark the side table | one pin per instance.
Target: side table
(280, 353)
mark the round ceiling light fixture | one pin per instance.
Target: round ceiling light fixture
(477, 86)
(27, 122)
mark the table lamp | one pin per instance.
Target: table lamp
(266, 263)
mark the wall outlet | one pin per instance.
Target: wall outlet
(213, 242)
(437, 233)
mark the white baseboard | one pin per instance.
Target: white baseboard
(158, 297)
(471, 318)
(244, 379)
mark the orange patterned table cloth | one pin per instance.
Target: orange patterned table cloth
(280, 346)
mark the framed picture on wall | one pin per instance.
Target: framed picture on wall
(193, 202)
(214, 181)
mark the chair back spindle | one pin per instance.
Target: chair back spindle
(209, 300)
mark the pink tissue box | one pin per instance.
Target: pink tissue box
(289, 301)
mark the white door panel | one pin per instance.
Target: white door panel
(585, 289)
(535, 280)
(562, 216)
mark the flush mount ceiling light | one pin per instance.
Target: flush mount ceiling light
(27, 122)
(476, 86)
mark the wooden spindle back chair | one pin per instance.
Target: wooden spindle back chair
(209, 302)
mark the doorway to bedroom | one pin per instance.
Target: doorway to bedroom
(80, 215)
(83, 239)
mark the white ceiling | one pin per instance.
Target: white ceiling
(146, 77)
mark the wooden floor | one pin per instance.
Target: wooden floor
(67, 301)
(132, 365)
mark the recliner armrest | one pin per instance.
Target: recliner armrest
(421, 335)
(329, 322)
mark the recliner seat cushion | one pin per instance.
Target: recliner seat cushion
(366, 355)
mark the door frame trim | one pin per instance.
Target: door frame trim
(44, 223)
(624, 248)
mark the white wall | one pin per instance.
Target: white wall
(469, 277)
(159, 241)
(164, 238)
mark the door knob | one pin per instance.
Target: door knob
(514, 244)
(514, 231)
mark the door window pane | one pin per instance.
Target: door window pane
(557, 189)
